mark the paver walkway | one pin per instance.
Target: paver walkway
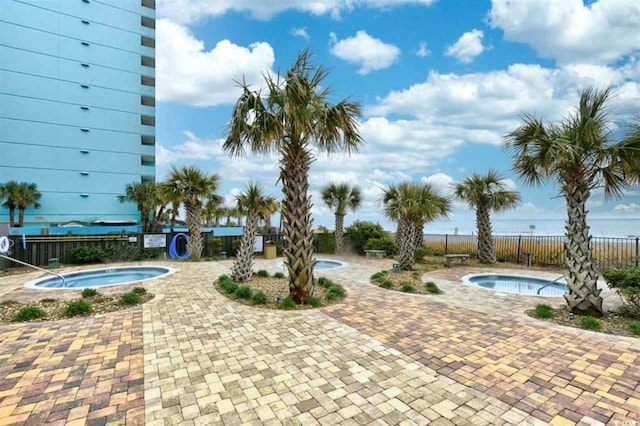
(378, 358)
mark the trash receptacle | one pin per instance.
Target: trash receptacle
(270, 250)
(53, 263)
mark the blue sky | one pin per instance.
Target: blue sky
(440, 81)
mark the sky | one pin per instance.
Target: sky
(440, 82)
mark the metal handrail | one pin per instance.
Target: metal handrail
(552, 282)
(64, 282)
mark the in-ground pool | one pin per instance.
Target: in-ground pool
(322, 264)
(517, 284)
(100, 277)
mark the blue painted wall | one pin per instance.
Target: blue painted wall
(71, 104)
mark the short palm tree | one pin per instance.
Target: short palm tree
(411, 205)
(579, 153)
(252, 202)
(193, 187)
(486, 193)
(10, 192)
(170, 195)
(147, 198)
(272, 207)
(340, 197)
(292, 117)
(27, 196)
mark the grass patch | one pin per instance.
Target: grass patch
(590, 323)
(244, 292)
(29, 313)
(262, 273)
(78, 308)
(89, 292)
(130, 299)
(407, 287)
(259, 298)
(635, 327)
(279, 275)
(335, 292)
(287, 303)
(9, 302)
(48, 300)
(139, 290)
(432, 288)
(379, 275)
(315, 301)
(543, 311)
(324, 282)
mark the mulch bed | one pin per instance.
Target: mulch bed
(611, 323)
(410, 277)
(55, 309)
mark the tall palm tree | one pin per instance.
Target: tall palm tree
(579, 153)
(170, 195)
(10, 192)
(193, 186)
(290, 119)
(229, 212)
(252, 202)
(340, 197)
(411, 205)
(273, 206)
(27, 196)
(486, 193)
(147, 198)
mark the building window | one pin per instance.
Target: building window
(147, 120)
(147, 81)
(151, 4)
(147, 161)
(148, 62)
(148, 42)
(147, 140)
(148, 101)
(148, 179)
(148, 22)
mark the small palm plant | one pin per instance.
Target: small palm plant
(252, 202)
(193, 187)
(340, 197)
(10, 193)
(291, 118)
(148, 199)
(411, 205)
(27, 196)
(486, 193)
(580, 154)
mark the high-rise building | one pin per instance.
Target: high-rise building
(77, 104)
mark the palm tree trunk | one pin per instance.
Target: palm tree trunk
(21, 216)
(194, 245)
(339, 233)
(174, 214)
(406, 239)
(486, 252)
(243, 266)
(419, 234)
(297, 221)
(584, 295)
(12, 216)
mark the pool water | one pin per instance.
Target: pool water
(322, 264)
(101, 277)
(517, 284)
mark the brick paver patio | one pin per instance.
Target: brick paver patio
(191, 356)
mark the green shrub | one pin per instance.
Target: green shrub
(287, 303)
(130, 299)
(384, 243)
(386, 283)
(259, 298)
(139, 290)
(29, 313)
(262, 273)
(84, 255)
(229, 286)
(235, 246)
(324, 282)
(224, 277)
(77, 308)
(149, 253)
(424, 251)
(215, 246)
(325, 242)
(543, 311)
(415, 275)
(627, 283)
(89, 292)
(432, 288)
(279, 275)
(379, 275)
(635, 327)
(315, 301)
(359, 233)
(590, 323)
(335, 292)
(244, 292)
(407, 287)
(48, 300)
(122, 253)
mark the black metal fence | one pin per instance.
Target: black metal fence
(540, 250)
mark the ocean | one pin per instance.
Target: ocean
(600, 227)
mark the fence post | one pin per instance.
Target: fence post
(519, 243)
(637, 260)
(446, 243)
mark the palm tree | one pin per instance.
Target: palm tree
(290, 119)
(340, 197)
(147, 198)
(273, 206)
(27, 196)
(193, 186)
(229, 212)
(579, 153)
(411, 205)
(486, 193)
(252, 203)
(170, 195)
(10, 191)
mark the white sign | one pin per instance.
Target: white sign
(4, 245)
(155, 241)
(257, 248)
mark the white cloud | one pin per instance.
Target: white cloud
(187, 11)
(300, 32)
(423, 51)
(509, 184)
(187, 73)
(529, 207)
(368, 52)
(627, 208)
(468, 47)
(441, 182)
(569, 31)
